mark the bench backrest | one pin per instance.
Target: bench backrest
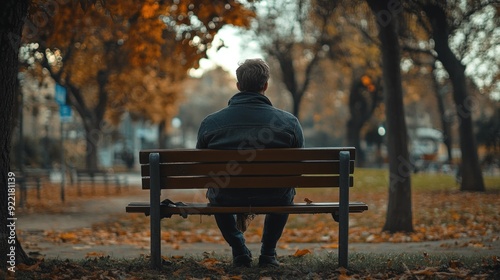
(200, 169)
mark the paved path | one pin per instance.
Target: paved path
(92, 211)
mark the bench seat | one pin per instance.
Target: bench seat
(207, 209)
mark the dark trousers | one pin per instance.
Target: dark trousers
(273, 223)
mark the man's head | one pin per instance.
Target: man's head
(253, 75)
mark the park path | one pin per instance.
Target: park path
(102, 209)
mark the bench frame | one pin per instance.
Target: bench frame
(153, 168)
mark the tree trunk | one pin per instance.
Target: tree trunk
(93, 135)
(296, 98)
(91, 162)
(445, 126)
(92, 118)
(12, 16)
(354, 139)
(399, 209)
(362, 104)
(287, 68)
(470, 170)
(357, 107)
(162, 136)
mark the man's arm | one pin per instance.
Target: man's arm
(200, 144)
(299, 135)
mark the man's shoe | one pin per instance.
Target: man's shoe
(268, 261)
(242, 260)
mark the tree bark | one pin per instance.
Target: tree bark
(399, 209)
(362, 104)
(162, 136)
(92, 120)
(445, 126)
(12, 16)
(470, 170)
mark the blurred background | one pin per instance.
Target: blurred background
(96, 89)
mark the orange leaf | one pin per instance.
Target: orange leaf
(429, 271)
(300, 253)
(454, 264)
(94, 254)
(210, 261)
(26, 267)
(343, 274)
(308, 201)
(68, 236)
(330, 246)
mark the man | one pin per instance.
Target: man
(251, 122)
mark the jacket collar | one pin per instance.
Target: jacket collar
(245, 97)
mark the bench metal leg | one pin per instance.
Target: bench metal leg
(155, 192)
(344, 208)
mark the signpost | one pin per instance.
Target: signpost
(65, 115)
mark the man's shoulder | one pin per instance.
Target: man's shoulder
(215, 114)
(284, 114)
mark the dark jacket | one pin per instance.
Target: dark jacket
(249, 122)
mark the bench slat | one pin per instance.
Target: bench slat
(243, 168)
(206, 209)
(308, 181)
(207, 155)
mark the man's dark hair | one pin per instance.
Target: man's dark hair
(252, 75)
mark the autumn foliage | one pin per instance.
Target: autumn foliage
(126, 55)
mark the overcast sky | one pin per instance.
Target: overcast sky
(227, 57)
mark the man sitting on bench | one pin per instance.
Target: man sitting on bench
(251, 122)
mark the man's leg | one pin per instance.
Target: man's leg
(273, 228)
(234, 237)
(227, 225)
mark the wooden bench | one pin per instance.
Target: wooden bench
(269, 168)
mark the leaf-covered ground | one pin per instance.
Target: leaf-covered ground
(362, 266)
(440, 212)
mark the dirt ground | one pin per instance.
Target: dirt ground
(102, 209)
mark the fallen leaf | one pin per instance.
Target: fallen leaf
(210, 261)
(454, 264)
(308, 201)
(330, 246)
(26, 267)
(68, 236)
(94, 254)
(429, 271)
(300, 253)
(343, 274)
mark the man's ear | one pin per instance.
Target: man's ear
(238, 86)
(264, 88)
